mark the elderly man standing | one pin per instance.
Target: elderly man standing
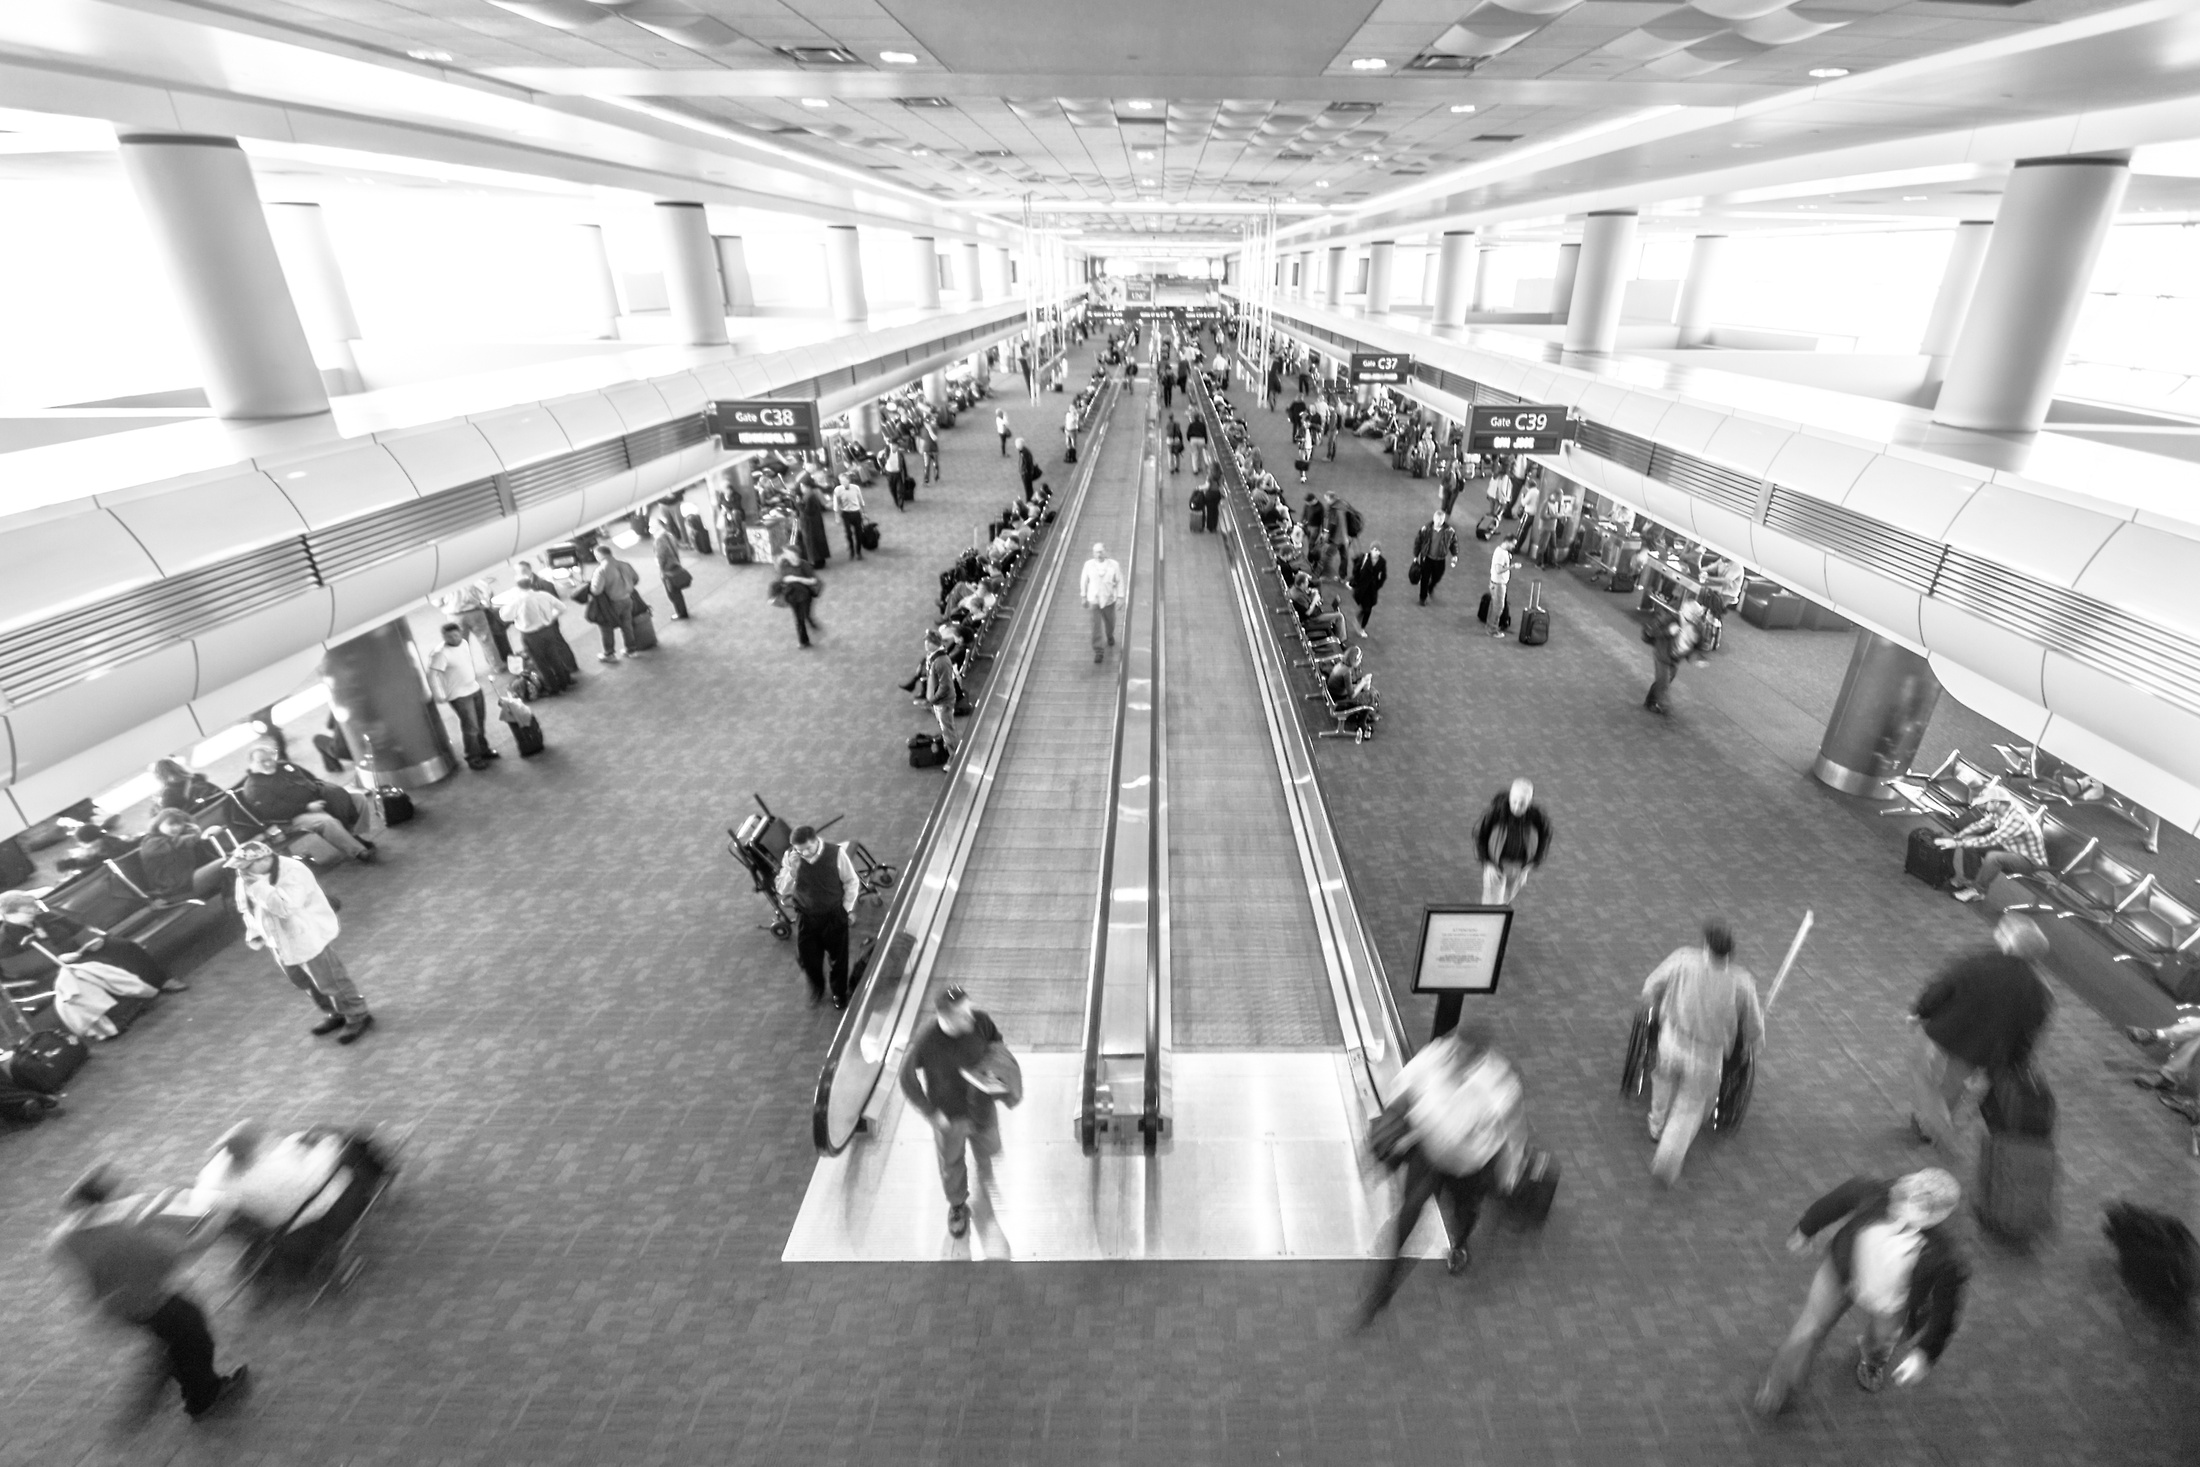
(1101, 589)
(285, 912)
(611, 601)
(534, 608)
(1982, 1016)
(1706, 1002)
(820, 882)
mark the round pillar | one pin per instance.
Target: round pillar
(1563, 276)
(1693, 314)
(844, 273)
(1004, 276)
(925, 260)
(199, 198)
(973, 283)
(1378, 276)
(378, 690)
(1454, 282)
(600, 281)
(1484, 265)
(302, 243)
(1958, 283)
(935, 389)
(1600, 285)
(692, 287)
(2055, 215)
(1333, 287)
(1886, 701)
(733, 274)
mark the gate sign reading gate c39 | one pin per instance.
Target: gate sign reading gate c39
(1377, 369)
(768, 423)
(1526, 428)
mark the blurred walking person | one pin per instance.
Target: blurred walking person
(1370, 572)
(956, 1075)
(1982, 1016)
(1706, 1003)
(1512, 838)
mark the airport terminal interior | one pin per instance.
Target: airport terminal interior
(866, 731)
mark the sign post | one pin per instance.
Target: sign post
(1526, 428)
(790, 426)
(1462, 951)
(1378, 369)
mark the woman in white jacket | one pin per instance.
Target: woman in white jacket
(285, 912)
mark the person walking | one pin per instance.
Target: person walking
(1069, 431)
(455, 672)
(848, 504)
(285, 912)
(671, 573)
(813, 504)
(128, 1252)
(1027, 467)
(1669, 648)
(1512, 838)
(928, 440)
(611, 601)
(818, 880)
(1369, 573)
(1456, 1110)
(1435, 548)
(1890, 1252)
(1981, 1016)
(1195, 438)
(1176, 443)
(797, 588)
(1101, 588)
(1001, 429)
(1706, 1002)
(956, 1075)
(1500, 589)
(940, 692)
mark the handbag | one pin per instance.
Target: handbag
(1390, 1134)
(1413, 573)
(678, 577)
(999, 1075)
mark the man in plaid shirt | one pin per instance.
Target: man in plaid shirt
(2007, 832)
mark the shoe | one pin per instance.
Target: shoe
(2162, 1083)
(958, 1221)
(353, 1031)
(368, 856)
(175, 985)
(1096, 656)
(1871, 1373)
(233, 1386)
(1968, 894)
(492, 754)
(2139, 1034)
(840, 1005)
(1455, 1262)
(1918, 1133)
(607, 657)
(329, 1025)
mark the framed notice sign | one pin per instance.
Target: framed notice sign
(1462, 949)
(1380, 370)
(1528, 428)
(767, 423)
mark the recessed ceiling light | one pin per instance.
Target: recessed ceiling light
(1141, 106)
(1321, 183)
(1741, 145)
(815, 102)
(1371, 157)
(1463, 107)
(429, 55)
(1145, 155)
(920, 152)
(897, 58)
(1828, 73)
(1913, 198)
(1368, 63)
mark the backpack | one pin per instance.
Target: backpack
(1353, 523)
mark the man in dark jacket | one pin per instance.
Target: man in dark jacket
(179, 862)
(1982, 1015)
(1027, 467)
(1435, 548)
(1891, 1255)
(277, 792)
(947, 1081)
(1369, 573)
(1512, 838)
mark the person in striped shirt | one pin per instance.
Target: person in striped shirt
(2009, 835)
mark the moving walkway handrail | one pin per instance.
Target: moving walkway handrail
(1158, 994)
(878, 1013)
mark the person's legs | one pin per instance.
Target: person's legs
(833, 937)
(1827, 1302)
(801, 610)
(607, 630)
(679, 600)
(851, 525)
(1367, 609)
(1421, 1183)
(1661, 681)
(567, 657)
(1875, 1348)
(1493, 885)
(2001, 863)
(469, 712)
(951, 1142)
(181, 1328)
(1939, 1084)
(985, 1145)
(332, 981)
(809, 951)
(1690, 1088)
(330, 829)
(1516, 876)
(1427, 580)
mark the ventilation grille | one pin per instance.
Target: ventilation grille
(660, 439)
(2088, 631)
(348, 548)
(86, 643)
(555, 478)
(1910, 560)
(1624, 449)
(1706, 480)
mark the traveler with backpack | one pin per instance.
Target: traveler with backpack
(1512, 838)
(1670, 644)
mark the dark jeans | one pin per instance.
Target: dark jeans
(622, 622)
(1458, 1201)
(851, 523)
(802, 622)
(188, 1347)
(1991, 864)
(543, 648)
(817, 941)
(679, 600)
(1367, 609)
(1432, 571)
(1667, 666)
(471, 709)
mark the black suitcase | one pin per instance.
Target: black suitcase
(528, 736)
(1069, 454)
(2157, 1256)
(699, 533)
(927, 751)
(1535, 622)
(1529, 1201)
(47, 1060)
(397, 806)
(23, 1106)
(2015, 1196)
(867, 536)
(1927, 861)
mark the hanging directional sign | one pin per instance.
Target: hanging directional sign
(768, 423)
(1380, 370)
(1527, 428)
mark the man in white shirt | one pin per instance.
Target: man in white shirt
(455, 670)
(534, 613)
(1501, 570)
(1101, 588)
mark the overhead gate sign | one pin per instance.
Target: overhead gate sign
(1379, 369)
(1527, 428)
(766, 423)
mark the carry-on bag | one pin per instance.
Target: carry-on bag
(528, 736)
(2015, 1196)
(1533, 1188)
(927, 751)
(1927, 861)
(1535, 622)
(47, 1060)
(867, 536)
(2157, 1257)
(1482, 612)
(644, 635)
(23, 1106)
(1069, 454)
(397, 806)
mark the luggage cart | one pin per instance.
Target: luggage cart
(274, 1268)
(760, 844)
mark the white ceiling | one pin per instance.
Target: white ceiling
(1170, 118)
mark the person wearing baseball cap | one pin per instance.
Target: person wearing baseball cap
(956, 1072)
(1889, 1251)
(822, 888)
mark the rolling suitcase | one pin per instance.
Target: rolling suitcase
(1535, 622)
(867, 536)
(1928, 862)
(645, 633)
(47, 1060)
(528, 736)
(1529, 1201)
(2015, 1197)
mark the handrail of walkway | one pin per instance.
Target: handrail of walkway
(1367, 1014)
(882, 1011)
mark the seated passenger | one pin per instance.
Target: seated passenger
(179, 862)
(1348, 687)
(181, 788)
(1306, 600)
(300, 1191)
(2004, 836)
(277, 792)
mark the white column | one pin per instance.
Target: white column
(733, 274)
(925, 260)
(2055, 215)
(212, 235)
(973, 283)
(1002, 288)
(1306, 275)
(1600, 285)
(1693, 314)
(600, 281)
(1563, 276)
(844, 273)
(316, 281)
(692, 288)
(1378, 276)
(1333, 287)
(935, 388)
(1958, 282)
(1453, 285)
(1484, 267)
